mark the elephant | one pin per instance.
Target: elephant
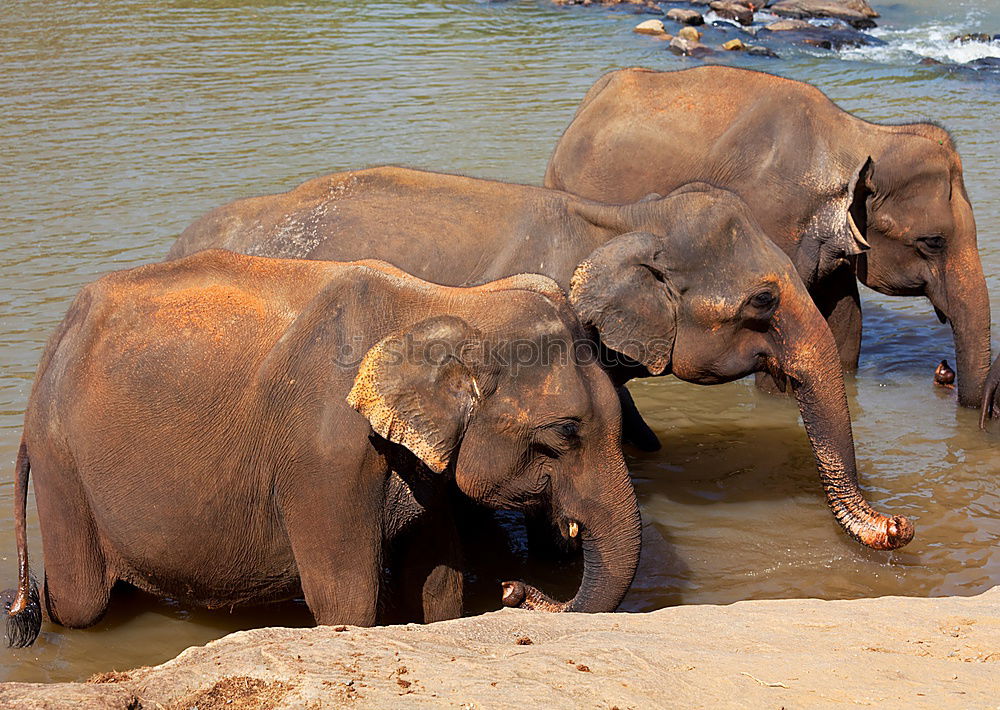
(846, 199)
(990, 406)
(226, 429)
(686, 284)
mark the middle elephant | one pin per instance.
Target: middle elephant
(686, 284)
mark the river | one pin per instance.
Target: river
(124, 121)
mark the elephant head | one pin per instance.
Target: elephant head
(717, 300)
(519, 418)
(911, 205)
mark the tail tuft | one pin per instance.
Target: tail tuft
(22, 626)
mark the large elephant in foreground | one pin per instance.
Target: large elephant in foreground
(822, 183)
(226, 429)
(700, 292)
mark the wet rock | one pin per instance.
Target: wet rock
(858, 13)
(734, 45)
(972, 37)
(930, 62)
(788, 25)
(763, 52)
(690, 34)
(689, 47)
(651, 27)
(639, 6)
(733, 11)
(832, 36)
(685, 17)
(985, 62)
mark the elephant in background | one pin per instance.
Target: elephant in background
(686, 284)
(226, 429)
(846, 199)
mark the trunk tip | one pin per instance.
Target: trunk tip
(524, 596)
(514, 593)
(897, 532)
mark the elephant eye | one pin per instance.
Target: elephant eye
(568, 430)
(558, 438)
(932, 244)
(763, 300)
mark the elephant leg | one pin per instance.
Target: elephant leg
(838, 300)
(335, 533)
(78, 580)
(634, 428)
(340, 574)
(430, 584)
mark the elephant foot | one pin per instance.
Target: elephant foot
(523, 596)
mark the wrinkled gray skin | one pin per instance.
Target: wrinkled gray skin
(700, 292)
(225, 429)
(813, 174)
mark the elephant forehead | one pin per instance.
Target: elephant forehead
(925, 207)
(557, 395)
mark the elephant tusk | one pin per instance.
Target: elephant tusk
(574, 529)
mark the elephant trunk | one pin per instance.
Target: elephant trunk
(811, 363)
(610, 538)
(963, 299)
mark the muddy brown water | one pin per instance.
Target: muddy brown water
(123, 121)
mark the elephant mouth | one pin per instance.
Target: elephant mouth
(940, 315)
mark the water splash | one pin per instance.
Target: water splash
(928, 41)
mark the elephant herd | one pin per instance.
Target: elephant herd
(294, 402)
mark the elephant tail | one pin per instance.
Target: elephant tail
(24, 612)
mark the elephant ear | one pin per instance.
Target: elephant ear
(418, 387)
(852, 216)
(859, 190)
(621, 293)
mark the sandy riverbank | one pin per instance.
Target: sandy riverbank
(934, 653)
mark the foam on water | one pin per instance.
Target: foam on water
(931, 40)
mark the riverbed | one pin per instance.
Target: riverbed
(124, 121)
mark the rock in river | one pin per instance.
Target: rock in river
(651, 27)
(733, 11)
(690, 34)
(832, 36)
(855, 12)
(689, 47)
(647, 6)
(973, 37)
(685, 17)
